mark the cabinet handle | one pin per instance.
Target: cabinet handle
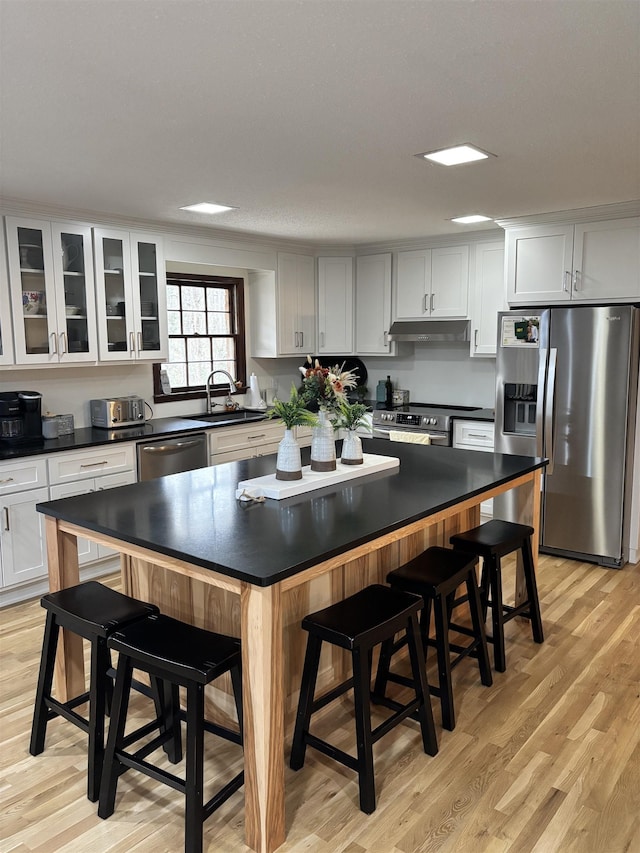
(385, 338)
(54, 343)
(6, 517)
(8, 480)
(132, 342)
(475, 339)
(425, 307)
(295, 340)
(433, 296)
(302, 340)
(321, 339)
(576, 275)
(140, 342)
(93, 464)
(478, 435)
(63, 343)
(255, 437)
(567, 273)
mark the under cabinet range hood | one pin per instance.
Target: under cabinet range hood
(430, 331)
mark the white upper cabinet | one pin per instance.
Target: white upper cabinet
(6, 334)
(486, 295)
(595, 261)
(373, 305)
(296, 304)
(432, 283)
(335, 305)
(131, 296)
(52, 291)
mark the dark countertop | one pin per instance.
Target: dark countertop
(195, 516)
(477, 415)
(92, 436)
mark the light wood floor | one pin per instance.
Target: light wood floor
(548, 759)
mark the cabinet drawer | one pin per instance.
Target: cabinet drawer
(25, 473)
(473, 435)
(238, 438)
(83, 464)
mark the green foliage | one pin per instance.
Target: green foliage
(293, 412)
(350, 415)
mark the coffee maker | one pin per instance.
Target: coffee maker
(21, 417)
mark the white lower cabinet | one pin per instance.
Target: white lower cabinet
(24, 548)
(28, 481)
(244, 442)
(475, 435)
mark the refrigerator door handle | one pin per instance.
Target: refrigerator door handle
(549, 403)
(542, 382)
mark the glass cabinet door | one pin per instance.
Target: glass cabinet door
(149, 285)
(33, 290)
(6, 334)
(113, 288)
(73, 267)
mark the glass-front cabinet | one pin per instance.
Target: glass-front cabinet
(131, 295)
(6, 334)
(52, 291)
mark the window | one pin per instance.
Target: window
(205, 316)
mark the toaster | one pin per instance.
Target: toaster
(117, 412)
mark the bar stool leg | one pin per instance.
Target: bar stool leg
(166, 699)
(194, 777)
(532, 591)
(45, 681)
(384, 665)
(444, 662)
(425, 714)
(478, 628)
(111, 766)
(497, 613)
(362, 704)
(305, 702)
(100, 663)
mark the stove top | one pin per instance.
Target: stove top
(427, 417)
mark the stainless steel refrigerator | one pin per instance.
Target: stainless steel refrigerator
(567, 381)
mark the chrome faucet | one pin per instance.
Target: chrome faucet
(232, 389)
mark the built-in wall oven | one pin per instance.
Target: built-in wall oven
(172, 455)
(432, 419)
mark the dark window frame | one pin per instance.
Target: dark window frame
(236, 287)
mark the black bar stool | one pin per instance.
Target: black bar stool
(183, 656)
(435, 575)
(359, 623)
(491, 541)
(93, 611)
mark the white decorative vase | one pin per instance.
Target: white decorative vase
(352, 449)
(323, 444)
(288, 463)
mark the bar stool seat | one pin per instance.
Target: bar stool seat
(357, 624)
(178, 655)
(493, 540)
(92, 611)
(435, 575)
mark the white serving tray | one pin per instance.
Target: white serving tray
(268, 487)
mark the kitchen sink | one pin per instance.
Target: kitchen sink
(225, 418)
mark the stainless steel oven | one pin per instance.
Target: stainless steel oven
(172, 455)
(433, 420)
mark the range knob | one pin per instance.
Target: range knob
(433, 421)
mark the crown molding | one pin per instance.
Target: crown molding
(620, 210)
(432, 242)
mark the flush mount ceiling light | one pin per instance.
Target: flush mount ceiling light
(207, 207)
(469, 220)
(458, 154)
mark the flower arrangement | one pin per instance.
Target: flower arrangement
(326, 387)
(350, 415)
(293, 412)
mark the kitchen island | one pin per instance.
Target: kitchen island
(255, 569)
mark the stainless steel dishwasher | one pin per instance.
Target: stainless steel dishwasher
(172, 455)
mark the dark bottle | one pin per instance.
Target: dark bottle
(388, 387)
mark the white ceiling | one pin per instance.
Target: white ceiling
(306, 114)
